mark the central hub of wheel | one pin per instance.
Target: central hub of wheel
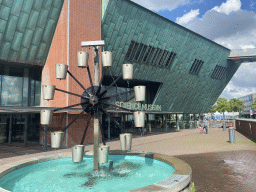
(93, 100)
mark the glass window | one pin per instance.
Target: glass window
(133, 52)
(151, 55)
(153, 62)
(147, 53)
(35, 86)
(37, 92)
(142, 54)
(129, 50)
(170, 59)
(25, 87)
(1, 74)
(138, 51)
(159, 57)
(195, 68)
(12, 85)
(32, 92)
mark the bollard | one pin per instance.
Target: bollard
(232, 138)
(224, 126)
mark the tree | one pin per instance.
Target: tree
(213, 110)
(254, 104)
(222, 105)
(236, 105)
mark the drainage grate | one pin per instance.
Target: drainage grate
(172, 180)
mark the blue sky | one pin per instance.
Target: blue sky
(231, 23)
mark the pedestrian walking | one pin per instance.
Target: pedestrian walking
(202, 127)
(205, 124)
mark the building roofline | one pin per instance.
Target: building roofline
(175, 23)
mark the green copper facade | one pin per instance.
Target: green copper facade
(27, 28)
(191, 82)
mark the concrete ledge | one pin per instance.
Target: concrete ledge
(179, 181)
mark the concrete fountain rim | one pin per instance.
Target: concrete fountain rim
(179, 181)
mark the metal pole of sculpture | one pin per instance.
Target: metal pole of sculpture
(96, 118)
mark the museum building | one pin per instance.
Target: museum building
(184, 72)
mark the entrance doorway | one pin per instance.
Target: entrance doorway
(13, 126)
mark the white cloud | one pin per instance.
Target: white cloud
(248, 46)
(239, 40)
(160, 5)
(252, 4)
(187, 17)
(233, 28)
(228, 7)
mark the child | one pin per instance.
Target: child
(202, 128)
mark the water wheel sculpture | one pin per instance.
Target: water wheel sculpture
(94, 101)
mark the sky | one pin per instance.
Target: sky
(231, 23)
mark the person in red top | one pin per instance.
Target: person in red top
(206, 125)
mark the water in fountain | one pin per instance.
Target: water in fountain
(129, 172)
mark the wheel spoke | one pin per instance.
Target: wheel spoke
(71, 93)
(78, 83)
(114, 95)
(72, 122)
(90, 77)
(82, 141)
(106, 113)
(59, 109)
(104, 92)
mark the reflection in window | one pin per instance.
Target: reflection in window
(17, 83)
(1, 74)
(32, 93)
(37, 93)
(11, 92)
(25, 87)
(122, 97)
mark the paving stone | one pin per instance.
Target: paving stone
(13, 55)
(33, 18)
(7, 3)
(37, 36)
(11, 26)
(49, 30)
(4, 12)
(42, 18)
(17, 41)
(54, 13)
(4, 50)
(16, 7)
(27, 6)
(23, 55)
(41, 51)
(22, 23)
(27, 38)
(58, 3)
(32, 53)
(1, 37)
(37, 5)
(3, 24)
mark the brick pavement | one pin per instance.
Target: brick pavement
(190, 146)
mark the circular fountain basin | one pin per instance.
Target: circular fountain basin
(136, 171)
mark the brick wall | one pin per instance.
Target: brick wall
(246, 127)
(80, 20)
(75, 131)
